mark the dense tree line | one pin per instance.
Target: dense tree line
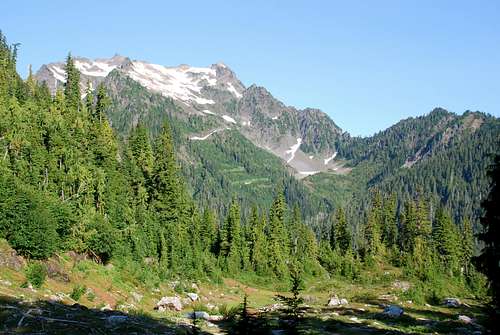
(68, 183)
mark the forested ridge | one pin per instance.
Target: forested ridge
(69, 183)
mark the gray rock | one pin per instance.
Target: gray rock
(401, 285)
(393, 311)
(335, 301)
(169, 303)
(452, 302)
(199, 315)
(465, 319)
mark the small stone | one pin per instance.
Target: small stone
(193, 296)
(199, 315)
(393, 311)
(107, 307)
(452, 302)
(170, 303)
(215, 317)
(465, 319)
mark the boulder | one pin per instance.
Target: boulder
(393, 311)
(172, 303)
(465, 319)
(10, 259)
(451, 302)
(401, 285)
(193, 296)
(199, 315)
(335, 301)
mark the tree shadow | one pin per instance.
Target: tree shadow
(47, 317)
(343, 320)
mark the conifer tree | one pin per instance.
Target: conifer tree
(489, 259)
(446, 241)
(278, 243)
(373, 226)
(467, 246)
(340, 237)
(72, 84)
(390, 229)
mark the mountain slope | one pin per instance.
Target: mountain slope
(236, 140)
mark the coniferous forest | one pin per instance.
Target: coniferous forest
(71, 184)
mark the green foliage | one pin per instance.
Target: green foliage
(36, 273)
(490, 257)
(77, 292)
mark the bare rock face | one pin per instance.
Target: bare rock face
(169, 303)
(10, 259)
(56, 271)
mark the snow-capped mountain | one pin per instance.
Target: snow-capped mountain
(187, 84)
(303, 139)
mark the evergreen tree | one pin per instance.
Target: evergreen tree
(72, 84)
(278, 243)
(467, 246)
(489, 259)
(446, 241)
(340, 237)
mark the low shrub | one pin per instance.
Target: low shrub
(36, 273)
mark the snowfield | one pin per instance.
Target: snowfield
(293, 150)
(183, 83)
(327, 160)
(197, 138)
(229, 119)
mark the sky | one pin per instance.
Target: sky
(367, 64)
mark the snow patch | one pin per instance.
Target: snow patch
(246, 123)
(94, 69)
(229, 119)
(311, 157)
(206, 111)
(197, 138)
(274, 118)
(233, 90)
(327, 160)
(308, 173)
(293, 150)
(182, 83)
(58, 73)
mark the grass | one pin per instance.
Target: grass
(99, 286)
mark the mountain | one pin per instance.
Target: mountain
(233, 139)
(304, 139)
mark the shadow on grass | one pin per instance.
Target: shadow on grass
(46, 317)
(350, 321)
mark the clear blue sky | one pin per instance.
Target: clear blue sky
(367, 64)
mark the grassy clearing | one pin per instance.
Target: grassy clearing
(90, 287)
